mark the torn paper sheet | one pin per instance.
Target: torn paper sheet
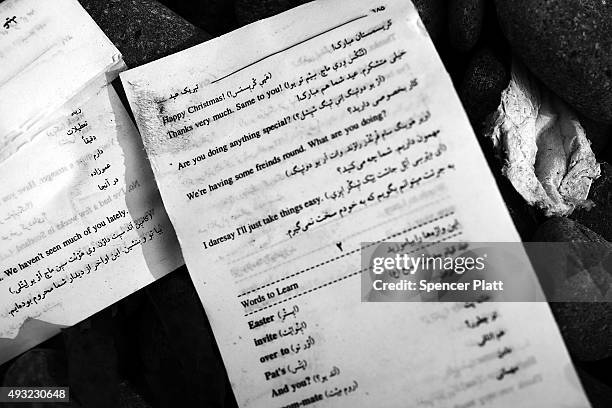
(82, 224)
(283, 146)
(546, 154)
(49, 51)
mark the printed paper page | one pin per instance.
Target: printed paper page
(279, 149)
(82, 224)
(49, 50)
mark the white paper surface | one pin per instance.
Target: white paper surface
(81, 221)
(547, 156)
(50, 51)
(282, 146)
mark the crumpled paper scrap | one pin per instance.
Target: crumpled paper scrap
(546, 154)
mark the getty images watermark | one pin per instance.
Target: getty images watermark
(474, 272)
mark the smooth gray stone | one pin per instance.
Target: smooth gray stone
(568, 45)
(143, 30)
(434, 16)
(483, 82)
(38, 368)
(216, 17)
(599, 134)
(465, 19)
(586, 327)
(181, 364)
(249, 11)
(599, 217)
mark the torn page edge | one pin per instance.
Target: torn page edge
(544, 149)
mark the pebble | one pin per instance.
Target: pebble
(39, 368)
(213, 16)
(599, 394)
(465, 20)
(586, 327)
(434, 16)
(606, 155)
(599, 134)
(432, 12)
(568, 45)
(249, 11)
(181, 364)
(143, 30)
(480, 89)
(599, 217)
(129, 398)
(92, 361)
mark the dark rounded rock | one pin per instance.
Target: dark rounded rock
(599, 134)
(560, 229)
(143, 30)
(599, 394)
(598, 217)
(434, 15)
(574, 266)
(248, 11)
(606, 155)
(568, 45)
(213, 16)
(483, 82)
(465, 19)
(181, 364)
(130, 398)
(586, 327)
(92, 361)
(39, 368)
